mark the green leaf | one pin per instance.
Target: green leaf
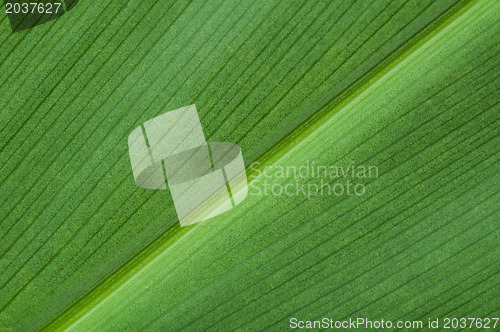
(406, 89)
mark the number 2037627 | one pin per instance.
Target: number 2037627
(33, 7)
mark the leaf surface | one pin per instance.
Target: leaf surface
(408, 87)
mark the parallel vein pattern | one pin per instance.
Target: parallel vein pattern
(291, 82)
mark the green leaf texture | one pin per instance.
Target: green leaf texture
(410, 87)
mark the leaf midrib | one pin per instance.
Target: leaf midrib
(102, 292)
